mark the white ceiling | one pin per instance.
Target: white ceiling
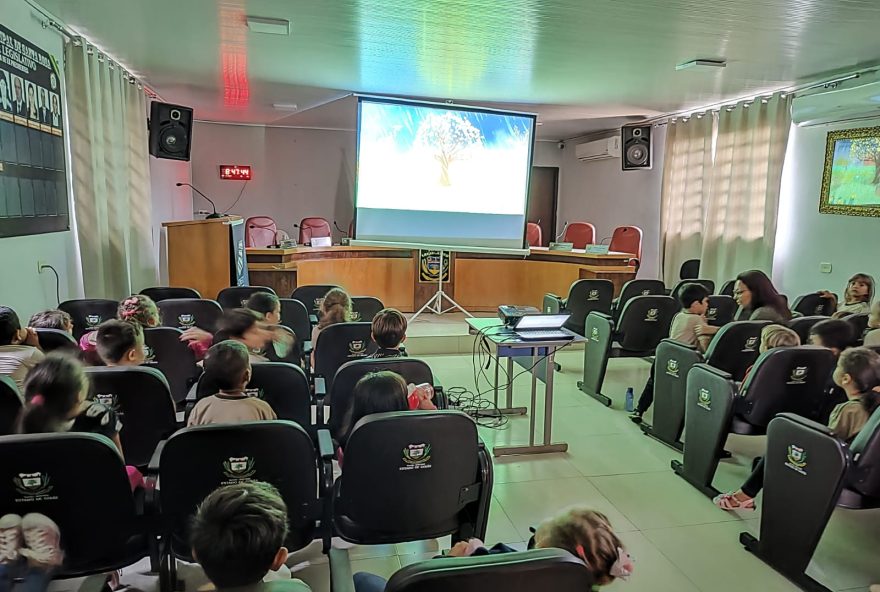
(571, 61)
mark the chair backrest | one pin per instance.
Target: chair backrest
(312, 296)
(579, 234)
(396, 461)
(813, 305)
(88, 313)
(802, 326)
(56, 339)
(313, 227)
(79, 481)
(736, 347)
(142, 399)
(533, 235)
(644, 322)
(721, 311)
(184, 313)
(524, 571)
(859, 324)
(364, 308)
(786, 379)
(676, 291)
(690, 269)
(195, 461)
(172, 357)
(259, 232)
(338, 344)
(865, 477)
(237, 296)
(295, 315)
(292, 355)
(10, 405)
(627, 239)
(727, 288)
(282, 385)
(341, 396)
(634, 288)
(584, 297)
(164, 293)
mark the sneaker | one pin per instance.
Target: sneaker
(10, 538)
(42, 540)
(636, 417)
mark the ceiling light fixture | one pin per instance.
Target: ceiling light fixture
(702, 63)
(286, 106)
(268, 26)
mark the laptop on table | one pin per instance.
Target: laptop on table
(542, 327)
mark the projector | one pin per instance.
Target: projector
(510, 313)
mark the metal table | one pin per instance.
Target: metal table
(541, 353)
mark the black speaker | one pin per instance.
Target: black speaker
(636, 143)
(170, 131)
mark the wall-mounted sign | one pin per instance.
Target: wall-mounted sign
(235, 172)
(429, 266)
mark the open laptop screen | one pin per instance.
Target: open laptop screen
(529, 322)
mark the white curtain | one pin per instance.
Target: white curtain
(741, 210)
(686, 172)
(111, 180)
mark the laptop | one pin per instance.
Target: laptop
(546, 327)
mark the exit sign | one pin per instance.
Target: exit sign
(235, 172)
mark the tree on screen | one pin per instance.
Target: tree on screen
(868, 149)
(449, 136)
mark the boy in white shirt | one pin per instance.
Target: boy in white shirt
(694, 299)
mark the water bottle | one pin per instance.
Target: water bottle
(629, 400)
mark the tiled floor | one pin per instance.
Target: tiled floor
(681, 542)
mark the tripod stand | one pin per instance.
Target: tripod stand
(435, 302)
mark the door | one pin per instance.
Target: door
(543, 184)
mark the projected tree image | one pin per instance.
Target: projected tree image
(449, 135)
(868, 149)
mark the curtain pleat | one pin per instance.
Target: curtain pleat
(111, 182)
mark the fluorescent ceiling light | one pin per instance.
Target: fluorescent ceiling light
(269, 26)
(702, 63)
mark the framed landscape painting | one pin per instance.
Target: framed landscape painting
(851, 179)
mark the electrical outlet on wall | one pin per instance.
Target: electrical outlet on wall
(40, 265)
(825, 267)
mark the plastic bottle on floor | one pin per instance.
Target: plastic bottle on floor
(629, 400)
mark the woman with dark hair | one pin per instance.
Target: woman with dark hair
(758, 299)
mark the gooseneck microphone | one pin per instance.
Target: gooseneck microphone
(210, 201)
(344, 232)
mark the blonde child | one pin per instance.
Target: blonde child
(773, 336)
(856, 298)
(335, 308)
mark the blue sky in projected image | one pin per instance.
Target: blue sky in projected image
(402, 121)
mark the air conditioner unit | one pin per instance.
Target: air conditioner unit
(599, 149)
(858, 98)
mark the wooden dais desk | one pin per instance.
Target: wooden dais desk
(479, 282)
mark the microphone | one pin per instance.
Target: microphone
(344, 232)
(209, 216)
(607, 238)
(564, 228)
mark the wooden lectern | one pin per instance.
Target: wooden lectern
(207, 255)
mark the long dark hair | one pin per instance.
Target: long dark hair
(763, 292)
(51, 393)
(377, 392)
(863, 366)
(235, 323)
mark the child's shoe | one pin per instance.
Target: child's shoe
(42, 540)
(10, 538)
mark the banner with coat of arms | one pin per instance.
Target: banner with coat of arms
(429, 267)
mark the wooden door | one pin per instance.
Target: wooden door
(543, 185)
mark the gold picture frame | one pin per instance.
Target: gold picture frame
(851, 176)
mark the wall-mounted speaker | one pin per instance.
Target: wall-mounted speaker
(636, 144)
(170, 131)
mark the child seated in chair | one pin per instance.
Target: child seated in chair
(228, 368)
(269, 306)
(389, 332)
(836, 335)
(773, 336)
(335, 308)
(858, 374)
(120, 343)
(19, 347)
(237, 536)
(584, 533)
(694, 299)
(872, 337)
(856, 298)
(137, 308)
(52, 319)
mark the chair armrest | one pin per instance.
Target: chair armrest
(153, 467)
(320, 394)
(307, 346)
(313, 319)
(326, 455)
(341, 578)
(326, 449)
(553, 303)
